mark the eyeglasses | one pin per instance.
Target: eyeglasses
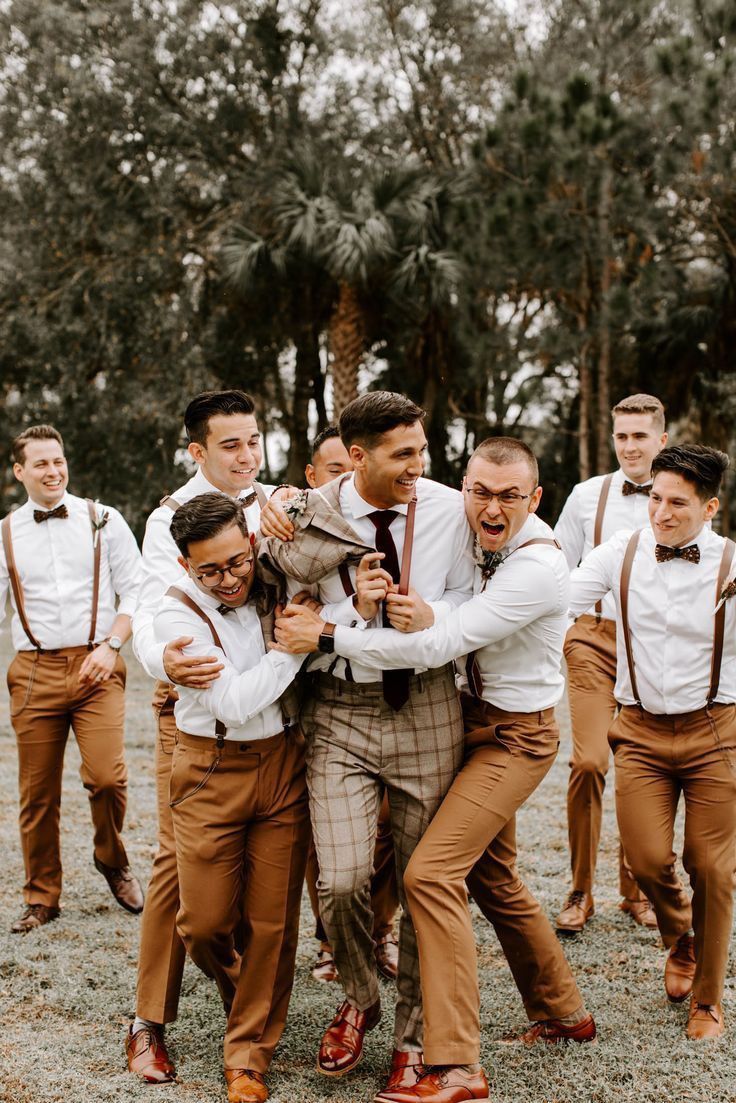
(505, 497)
(239, 568)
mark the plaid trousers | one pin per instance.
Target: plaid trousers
(356, 746)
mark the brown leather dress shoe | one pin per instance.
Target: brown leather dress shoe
(148, 1057)
(123, 885)
(341, 1047)
(406, 1071)
(34, 915)
(245, 1086)
(553, 1031)
(577, 911)
(444, 1084)
(705, 1020)
(641, 911)
(324, 969)
(679, 969)
(387, 956)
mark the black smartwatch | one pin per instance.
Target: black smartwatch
(327, 639)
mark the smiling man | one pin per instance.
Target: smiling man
(595, 510)
(676, 731)
(510, 636)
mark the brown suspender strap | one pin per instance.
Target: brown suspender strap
(15, 585)
(408, 546)
(347, 584)
(624, 591)
(598, 525)
(172, 503)
(539, 540)
(174, 591)
(97, 547)
(719, 622)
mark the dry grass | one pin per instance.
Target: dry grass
(67, 992)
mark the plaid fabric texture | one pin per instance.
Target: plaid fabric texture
(356, 745)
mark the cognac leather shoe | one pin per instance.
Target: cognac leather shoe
(34, 915)
(341, 1047)
(444, 1084)
(387, 956)
(406, 1071)
(324, 969)
(123, 885)
(641, 911)
(577, 911)
(679, 969)
(705, 1020)
(245, 1086)
(148, 1057)
(553, 1031)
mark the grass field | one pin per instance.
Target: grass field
(67, 991)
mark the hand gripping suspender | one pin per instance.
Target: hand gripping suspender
(719, 619)
(598, 527)
(15, 583)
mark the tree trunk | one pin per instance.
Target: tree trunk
(347, 346)
(307, 364)
(603, 389)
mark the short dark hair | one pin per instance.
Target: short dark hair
(641, 404)
(205, 516)
(327, 434)
(367, 418)
(33, 432)
(210, 404)
(700, 465)
(504, 450)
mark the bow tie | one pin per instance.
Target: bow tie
(491, 562)
(223, 610)
(249, 500)
(691, 554)
(40, 515)
(634, 488)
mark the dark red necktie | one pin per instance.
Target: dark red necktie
(634, 488)
(395, 682)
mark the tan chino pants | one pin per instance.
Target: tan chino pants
(46, 697)
(472, 839)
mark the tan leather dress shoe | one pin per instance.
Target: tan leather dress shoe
(34, 915)
(679, 969)
(148, 1057)
(554, 1031)
(387, 956)
(705, 1020)
(406, 1071)
(444, 1084)
(245, 1086)
(341, 1047)
(123, 885)
(641, 911)
(577, 911)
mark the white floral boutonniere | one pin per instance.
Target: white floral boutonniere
(102, 516)
(296, 506)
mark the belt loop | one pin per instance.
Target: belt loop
(420, 680)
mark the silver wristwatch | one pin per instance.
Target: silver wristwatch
(114, 642)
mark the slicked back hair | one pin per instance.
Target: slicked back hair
(367, 418)
(212, 404)
(698, 464)
(33, 432)
(506, 450)
(327, 434)
(206, 516)
(642, 404)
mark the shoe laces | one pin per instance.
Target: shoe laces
(575, 899)
(709, 1009)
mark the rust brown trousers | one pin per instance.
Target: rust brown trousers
(472, 839)
(46, 697)
(241, 848)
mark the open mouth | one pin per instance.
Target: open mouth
(492, 529)
(407, 484)
(230, 593)
(242, 473)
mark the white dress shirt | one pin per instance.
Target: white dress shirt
(442, 566)
(574, 530)
(516, 626)
(246, 695)
(671, 609)
(161, 569)
(55, 562)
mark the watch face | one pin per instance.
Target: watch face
(115, 643)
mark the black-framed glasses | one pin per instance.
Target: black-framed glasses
(505, 497)
(239, 567)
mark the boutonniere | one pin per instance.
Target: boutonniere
(729, 590)
(296, 506)
(488, 561)
(102, 516)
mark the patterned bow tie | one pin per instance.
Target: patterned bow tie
(249, 500)
(40, 515)
(491, 562)
(633, 488)
(223, 610)
(691, 554)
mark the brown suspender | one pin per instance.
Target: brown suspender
(174, 591)
(719, 620)
(472, 670)
(598, 526)
(172, 503)
(18, 589)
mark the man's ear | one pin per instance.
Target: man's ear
(18, 471)
(358, 455)
(197, 451)
(535, 500)
(711, 508)
(183, 563)
(309, 474)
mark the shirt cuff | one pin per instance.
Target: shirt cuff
(153, 662)
(441, 610)
(126, 607)
(343, 612)
(348, 641)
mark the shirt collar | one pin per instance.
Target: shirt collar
(200, 481)
(65, 500)
(358, 505)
